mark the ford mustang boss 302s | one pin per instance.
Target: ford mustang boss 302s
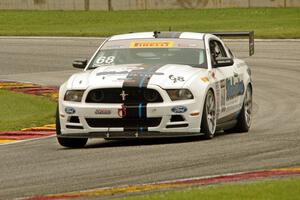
(156, 84)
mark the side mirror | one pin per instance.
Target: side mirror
(223, 62)
(81, 64)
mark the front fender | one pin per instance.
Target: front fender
(199, 86)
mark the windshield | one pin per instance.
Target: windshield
(151, 51)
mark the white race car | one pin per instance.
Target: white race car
(156, 84)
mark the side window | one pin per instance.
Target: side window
(230, 52)
(216, 50)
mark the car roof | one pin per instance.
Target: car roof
(155, 34)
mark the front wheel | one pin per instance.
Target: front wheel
(68, 142)
(209, 118)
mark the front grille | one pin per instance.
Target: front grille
(123, 122)
(74, 127)
(177, 118)
(119, 95)
(177, 126)
(74, 119)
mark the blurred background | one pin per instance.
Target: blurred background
(110, 5)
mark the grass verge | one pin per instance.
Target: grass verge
(22, 110)
(266, 22)
(286, 189)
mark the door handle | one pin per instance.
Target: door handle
(235, 74)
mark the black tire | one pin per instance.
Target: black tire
(205, 127)
(68, 142)
(72, 142)
(243, 124)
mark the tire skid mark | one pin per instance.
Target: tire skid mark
(174, 184)
(8, 137)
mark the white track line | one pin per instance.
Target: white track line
(28, 140)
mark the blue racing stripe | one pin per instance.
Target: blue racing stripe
(140, 115)
(140, 110)
(151, 69)
(141, 129)
(142, 81)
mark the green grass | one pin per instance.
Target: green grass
(266, 22)
(22, 111)
(287, 189)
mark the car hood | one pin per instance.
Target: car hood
(137, 75)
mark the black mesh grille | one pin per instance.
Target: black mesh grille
(74, 119)
(131, 95)
(123, 122)
(176, 118)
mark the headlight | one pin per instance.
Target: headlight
(180, 94)
(74, 95)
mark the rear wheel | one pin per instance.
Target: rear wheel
(209, 118)
(244, 118)
(68, 142)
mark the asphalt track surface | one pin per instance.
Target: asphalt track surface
(43, 167)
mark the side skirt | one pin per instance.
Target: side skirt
(227, 122)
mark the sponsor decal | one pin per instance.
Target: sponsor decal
(205, 79)
(179, 109)
(145, 44)
(218, 97)
(102, 112)
(105, 60)
(142, 74)
(183, 45)
(223, 95)
(70, 110)
(123, 71)
(124, 79)
(122, 112)
(176, 79)
(222, 83)
(114, 46)
(234, 88)
(113, 73)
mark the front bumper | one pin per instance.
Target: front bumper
(128, 135)
(188, 122)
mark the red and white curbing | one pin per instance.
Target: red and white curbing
(174, 184)
(30, 88)
(8, 137)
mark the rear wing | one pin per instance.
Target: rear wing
(250, 35)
